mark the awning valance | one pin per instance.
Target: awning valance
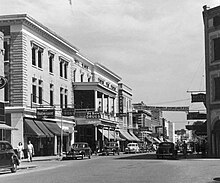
(107, 134)
(30, 128)
(124, 134)
(54, 128)
(43, 128)
(6, 127)
(134, 137)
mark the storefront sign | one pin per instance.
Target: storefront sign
(200, 97)
(195, 116)
(93, 115)
(2, 112)
(45, 113)
(68, 111)
(3, 82)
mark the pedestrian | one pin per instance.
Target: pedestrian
(20, 149)
(30, 151)
(184, 149)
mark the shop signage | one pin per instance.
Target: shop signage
(2, 112)
(195, 116)
(3, 82)
(200, 97)
(121, 114)
(93, 115)
(120, 103)
(68, 112)
(45, 113)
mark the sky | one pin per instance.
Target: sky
(155, 46)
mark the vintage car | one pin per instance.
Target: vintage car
(166, 149)
(78, 150)
(132, 148)
(111, 148)
(8, 157)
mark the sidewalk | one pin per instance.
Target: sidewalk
(26, 165)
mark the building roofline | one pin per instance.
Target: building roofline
(39, 25)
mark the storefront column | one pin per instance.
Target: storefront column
(55, 145)
(72, 137)
(96, 101)
(108, 133)
(102, 108)
(96, 135)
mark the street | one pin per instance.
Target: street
(131, 168)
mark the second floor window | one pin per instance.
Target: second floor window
(63, 68)
(33, 51)
(61, 97)
(34, 90)
(40, 92)
(217, 49)
(36, 55)
(51, 94)
(217, 88)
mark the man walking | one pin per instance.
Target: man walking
(30, 151)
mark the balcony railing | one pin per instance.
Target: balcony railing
(91, 113)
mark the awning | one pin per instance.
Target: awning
(148, 139)
(30, 128)
(106, 134)
(43, 128)
(6, 127)
(116, 137)
(134, 137)
(156, 140)
(54, 128)
(124, 134)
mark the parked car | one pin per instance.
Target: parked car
(166, 149)
(8, 157)
(78, 150)
(111, 148)
(132, 148)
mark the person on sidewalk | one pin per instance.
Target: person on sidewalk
(184, 149)
(20, 149)
(30, 151)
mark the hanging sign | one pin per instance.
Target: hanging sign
(3, 82)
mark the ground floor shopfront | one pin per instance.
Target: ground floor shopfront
(98, 133)
(49, 136)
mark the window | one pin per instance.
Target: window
(33, 55)
(51, 60)
(217, 88)
(40, 91)
(51, 94)
(34, 90)
(217, 49)
(66, 98)
(61, 69)
(61, 97)
(74, 76)
(81, 77)
(216, 21)
(65, 70)
(39, 55)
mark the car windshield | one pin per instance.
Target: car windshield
(79, 145)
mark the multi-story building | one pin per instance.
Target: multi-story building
(38, 66)
(48, 76)
(211, 18)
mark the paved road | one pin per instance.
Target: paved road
(140, 168)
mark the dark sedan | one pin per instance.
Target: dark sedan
(166, 149)
(78, 150)
(8, 157)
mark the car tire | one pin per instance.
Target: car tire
(89, 156)
(14, 168)
(82, 156)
